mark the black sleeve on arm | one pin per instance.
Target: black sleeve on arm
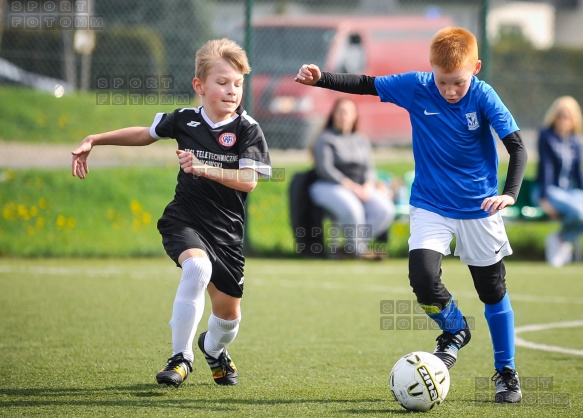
(348, 83)
(516, 165)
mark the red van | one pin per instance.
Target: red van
(291, 114)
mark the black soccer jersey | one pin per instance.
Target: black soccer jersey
(214, 210)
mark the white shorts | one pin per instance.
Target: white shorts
(479, 242)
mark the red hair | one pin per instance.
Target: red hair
(453, 49)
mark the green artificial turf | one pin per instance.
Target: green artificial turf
(85, 337)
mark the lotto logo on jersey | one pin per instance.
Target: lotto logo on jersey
(472, 119)
(227, 139)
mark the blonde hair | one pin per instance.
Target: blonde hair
(217, 49)
(453, 49)
(572, 106)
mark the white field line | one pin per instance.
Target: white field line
(104, 272)
(295, 283)
(405, 290)
(82, 272)
(545, 347)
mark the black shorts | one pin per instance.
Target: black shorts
(227, 261)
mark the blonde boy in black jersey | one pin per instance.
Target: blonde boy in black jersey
(221, 152)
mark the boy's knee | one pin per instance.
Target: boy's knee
(425, 278)
(198, 269)
(490, 282)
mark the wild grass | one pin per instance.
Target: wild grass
(31, 116)
(114, 213)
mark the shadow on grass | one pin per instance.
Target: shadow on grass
(154, 395)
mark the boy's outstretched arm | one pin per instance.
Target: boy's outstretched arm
(310, 75)
(133, 136)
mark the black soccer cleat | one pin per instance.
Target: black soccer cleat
(175, 372)
(507, 386)
(223, 369)
(449, 344)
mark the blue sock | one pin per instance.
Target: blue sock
(500, 318)
(449, 319)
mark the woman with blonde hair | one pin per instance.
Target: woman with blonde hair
(559, 177)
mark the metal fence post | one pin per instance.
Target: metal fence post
(485, 44)
(248, 105)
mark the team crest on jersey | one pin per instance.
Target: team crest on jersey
(472, 119)
(227, 139)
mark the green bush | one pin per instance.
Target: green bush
(37, 51)
(528, 80)
(143, 51)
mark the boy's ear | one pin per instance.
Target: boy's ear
(478, 67)
(197, 86)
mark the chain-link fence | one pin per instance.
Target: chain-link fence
(107, 45)
(138, 51)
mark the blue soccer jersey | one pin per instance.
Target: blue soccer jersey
(456, 159)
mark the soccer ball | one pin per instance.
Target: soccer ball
(419, 381)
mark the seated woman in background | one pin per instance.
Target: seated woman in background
(559, 179)
(346, 183)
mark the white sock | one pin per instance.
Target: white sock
(221, 333)
(189, 304)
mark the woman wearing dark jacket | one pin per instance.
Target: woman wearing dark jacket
(559, 177)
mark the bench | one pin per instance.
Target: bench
(309, 220)
(525, 209)
(401, 189)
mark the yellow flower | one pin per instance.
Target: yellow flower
(23, 212)
(63, 121)
(41, 119)
(400, 229)
(61, 221)
(9, 211)
(136, 207)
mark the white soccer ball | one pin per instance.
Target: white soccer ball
(419, 381)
